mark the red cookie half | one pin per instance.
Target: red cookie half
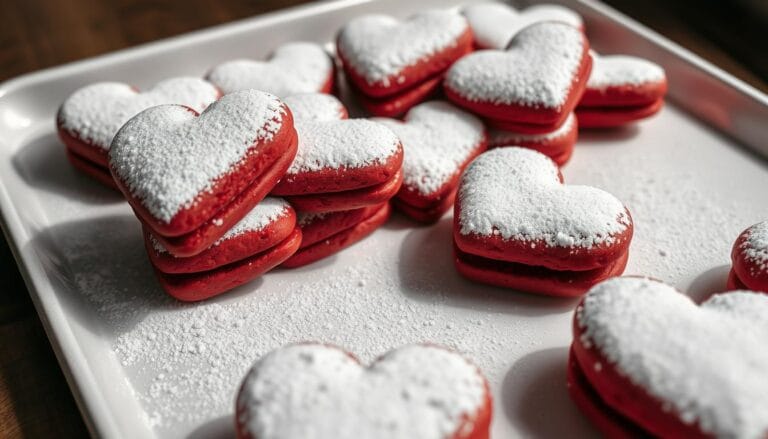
(439, 140)
(329, 233)
(646, 351)
(557, 145)
(93, 170)
(383, 56)
(533, 279)
(525, 83)
(425, 391)
(609, 117)
(183, 173)
(750, 259)
(399, 104)
(512, 206)
(623, 81)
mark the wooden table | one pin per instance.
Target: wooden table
(34, 398)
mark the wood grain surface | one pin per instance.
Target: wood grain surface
(34, 398)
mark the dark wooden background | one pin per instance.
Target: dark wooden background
(34, 398)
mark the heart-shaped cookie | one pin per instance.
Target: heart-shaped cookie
(383, 56)
(293, 68)
(750, 259)
(512, 206)
(324, 234)
(346, 161)
(195, 176)
(621, 89)
(494, 24)
(557, 144)
(320, 391)
(90, 117)
(260, 241)
(439, 140)
(537, 80)
(670, 367)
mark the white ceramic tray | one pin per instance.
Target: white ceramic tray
(142, 365)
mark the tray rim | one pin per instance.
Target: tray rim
(100, 420)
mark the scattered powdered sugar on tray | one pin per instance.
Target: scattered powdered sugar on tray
(755, 247)
(266, 212)
(660, 340)
(617, 70)
(515, 192)
(437, 140)
(94, 113)
(168, 157)
(315, 107)
(293, 68)
(494, 24)
(416, 391)
(498, 137)
(537, 70)
(379, 47)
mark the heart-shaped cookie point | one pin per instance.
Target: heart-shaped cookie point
(180, 170)
(339, 156)
(621, 89)
(494, 24)
(263, 239)
(671, 367)
(90, 117)
(750, 259)
(537, 80)
(383, 56)
(512, 206)
(320, 391)
(439, 140)
(293, 68)
(557, 145)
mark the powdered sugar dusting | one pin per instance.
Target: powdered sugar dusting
(167, 157)
(328, 143)
(616, 70)
(437, 140)
(536, 70)
(499, 137)
(414, 392)
(266, 212)
(297, 67)
(662, 342)
(515, 192)
(315, 107)
(494, 24)
(94, 113)
(378, 47)
(755, 247)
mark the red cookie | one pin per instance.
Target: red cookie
(439, 140)
(397, 105)
(513, 207)
(190, 178)
(494, 24)
(341, 164)
(263, 239)
(293, 68)
(621, 89)
(557, 145)
(321, 391)
(537, 80)
(91, 116)
(329, 233)
(672, 368)
(383, 56)
(750, 259)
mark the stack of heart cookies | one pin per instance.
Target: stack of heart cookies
(343, 176)
(518, 226)
(194, 180)
(393, 65)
